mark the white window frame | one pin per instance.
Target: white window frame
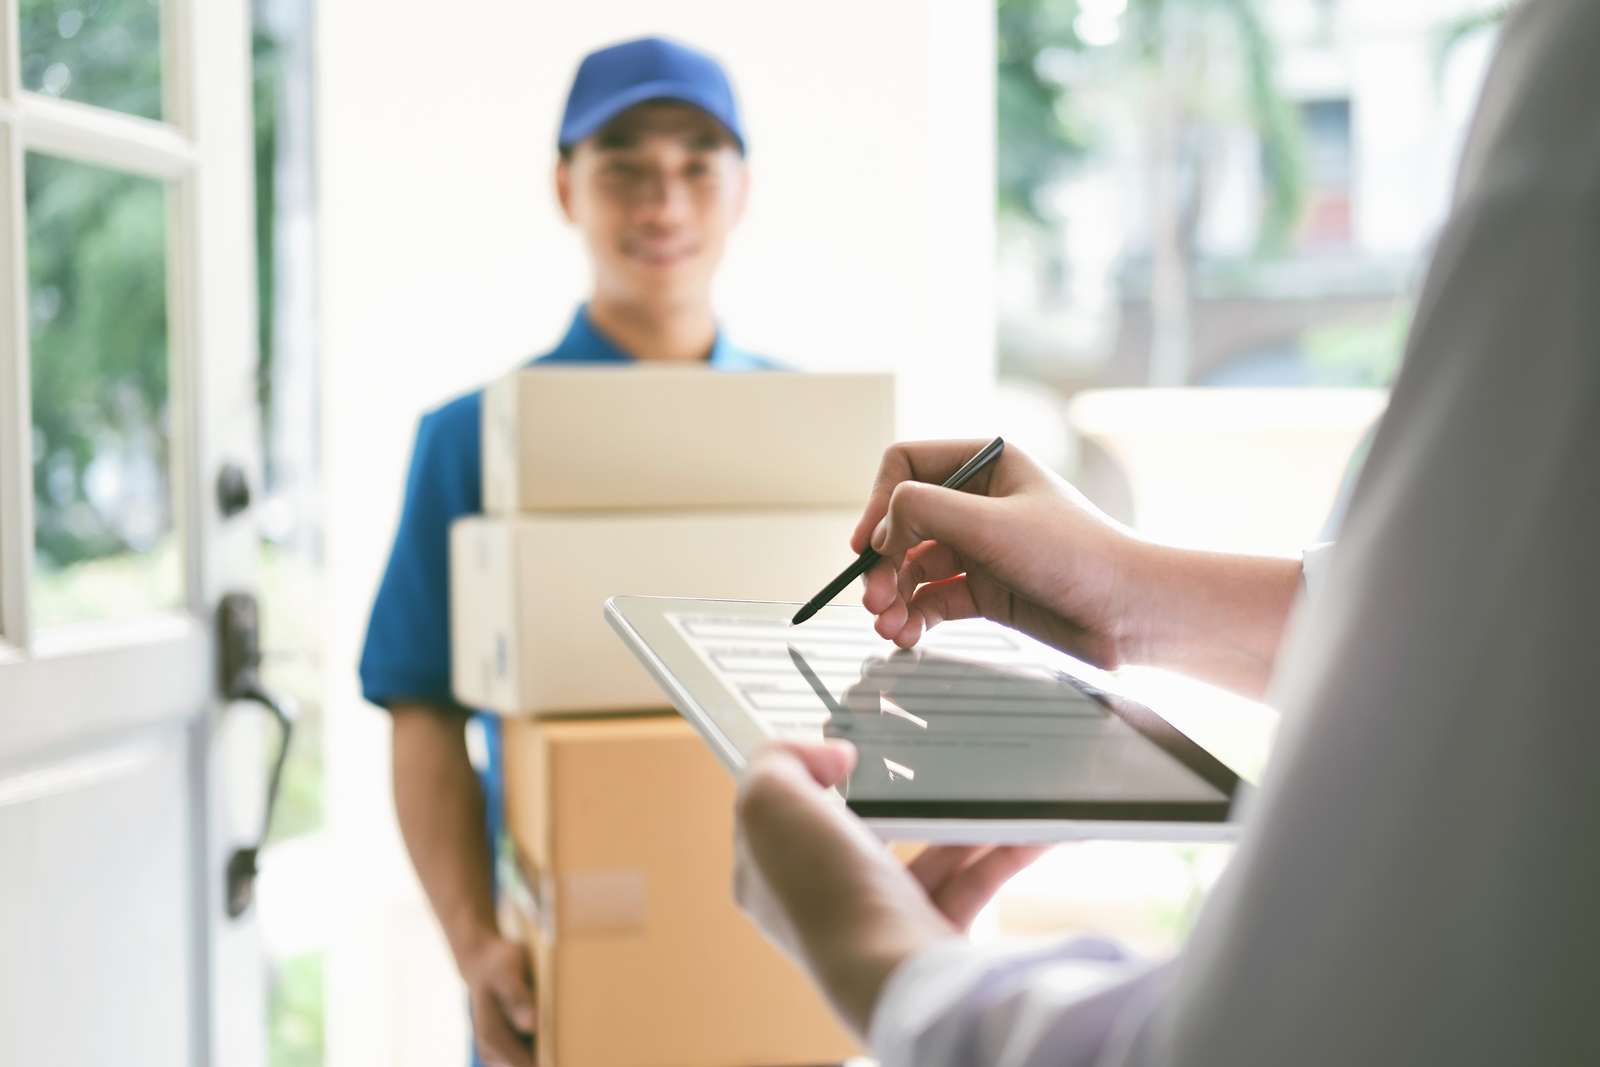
(167, 151)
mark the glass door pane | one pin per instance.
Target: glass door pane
(103, 525)
(101, 52)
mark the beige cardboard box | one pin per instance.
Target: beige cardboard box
(527, 594)
(574, 438)
(625, 829)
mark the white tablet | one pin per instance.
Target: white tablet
(980, 734)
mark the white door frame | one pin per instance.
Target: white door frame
(73, 698)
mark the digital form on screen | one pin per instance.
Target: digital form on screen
(976, 712)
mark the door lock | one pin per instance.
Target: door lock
(233, 490)
(239, 662)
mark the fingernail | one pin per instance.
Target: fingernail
(880, 533)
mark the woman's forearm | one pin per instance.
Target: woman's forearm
(1215, 616)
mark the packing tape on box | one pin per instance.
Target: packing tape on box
(613, 901)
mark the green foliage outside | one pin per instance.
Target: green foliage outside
(101, 52)
(294, 1013)
(291, 601)
(98, 319)
(265, 66)
(290, 584)
(1168, 49)
(1040, 137)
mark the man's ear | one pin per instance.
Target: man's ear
(741, 190)
(564, 187)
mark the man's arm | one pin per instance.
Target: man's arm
(441, 810)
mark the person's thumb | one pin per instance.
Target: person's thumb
(828, 763)
(921, 512)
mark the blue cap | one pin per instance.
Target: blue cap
(614, 79)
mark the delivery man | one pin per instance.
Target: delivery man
(652, 173)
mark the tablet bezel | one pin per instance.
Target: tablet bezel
(731, 733)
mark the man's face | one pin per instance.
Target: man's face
(655, 193)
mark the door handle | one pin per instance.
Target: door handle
(239, 656)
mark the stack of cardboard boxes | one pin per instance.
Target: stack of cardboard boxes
(663, 482)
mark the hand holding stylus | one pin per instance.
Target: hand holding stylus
(964, 474)
(1022, 547)
(950, 555)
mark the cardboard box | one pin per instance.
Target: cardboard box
(528, 592)
(624, 828)
(560, 438)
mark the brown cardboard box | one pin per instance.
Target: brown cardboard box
(527, 594)
(625, 828)
(560, 438)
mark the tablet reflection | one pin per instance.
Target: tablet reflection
(927, 725)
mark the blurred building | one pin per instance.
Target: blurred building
(1379, 94)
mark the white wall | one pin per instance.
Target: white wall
(444, 262)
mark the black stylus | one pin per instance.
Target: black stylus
(869, 557)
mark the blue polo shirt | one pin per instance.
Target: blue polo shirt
(407, 652)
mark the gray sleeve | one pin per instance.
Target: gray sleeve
(956, 1005)
(1416, 882)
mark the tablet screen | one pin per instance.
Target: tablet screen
(976, 721)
